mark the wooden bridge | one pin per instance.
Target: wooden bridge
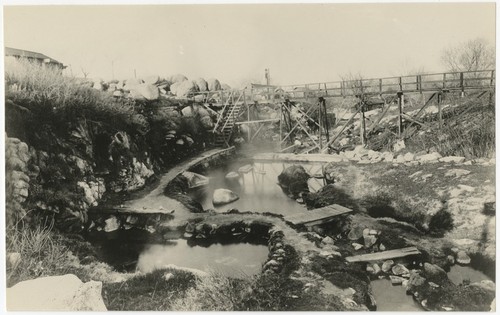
(390, 90)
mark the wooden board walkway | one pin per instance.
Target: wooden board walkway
(388, 254)
(317, 216)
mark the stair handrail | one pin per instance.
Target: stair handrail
(229, 116)
(222, 112)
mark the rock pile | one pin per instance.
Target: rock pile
(153, 87)
(366, 156)
(17, 179)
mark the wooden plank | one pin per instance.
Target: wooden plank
(388, 254)
(317, 216)
(297, 158)
(256, 121)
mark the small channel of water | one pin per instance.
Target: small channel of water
(258, 189)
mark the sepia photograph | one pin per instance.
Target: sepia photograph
(325, 156)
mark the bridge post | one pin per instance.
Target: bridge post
(362, 130)
(400, 105)
(440, 113)
(462, 87)
(320, 125)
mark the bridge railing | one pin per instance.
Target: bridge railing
(428, 82)
(413, 83)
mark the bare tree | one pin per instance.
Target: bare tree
(85, 73)
(472, 55)
(353, 82)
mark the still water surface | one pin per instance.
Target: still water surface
(258, 189)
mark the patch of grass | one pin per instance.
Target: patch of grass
(328, 195)
(42, 253)
(148, 292)
(214, 292)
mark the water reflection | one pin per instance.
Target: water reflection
(258, 189)
(459, 273)
(234, 260)
(393, 297)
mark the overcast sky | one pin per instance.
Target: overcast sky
(299, 43)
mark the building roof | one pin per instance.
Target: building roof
(28, 54)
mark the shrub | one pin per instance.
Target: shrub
(441, 221)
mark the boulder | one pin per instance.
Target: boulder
(213, 84)
(130, 84)
(463, 258)
(369, 240)
(111, 224)
(58, 293)
(117, 93)
(223, 196)
(207, 122)
(355, 233)
(201, 84)
(328, 240)
(185, 88)
(147, 91)
(408, 157)
(452, 159)
(387, 265)
(152, 79)
(415, 281)
(396, 280)
(429, 158)
(173, 88)
(225, 87)
(357, 246)
(136, 95)
(177, 78)
(13, 259)
(293, 180)
(329, 172)
(399, 270)
(398, 146)
(376, 269)
(434, 273)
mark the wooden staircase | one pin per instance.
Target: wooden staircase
(224, 127)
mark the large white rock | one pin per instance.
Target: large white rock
(213, 85)
(177, 78)
(399, 145)
(429, 158)
(152, 79)
(59, 293)
(111, 224)
(223, 196)
(454, 159)
(147, 91)
(201, 84)
(185, 88)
